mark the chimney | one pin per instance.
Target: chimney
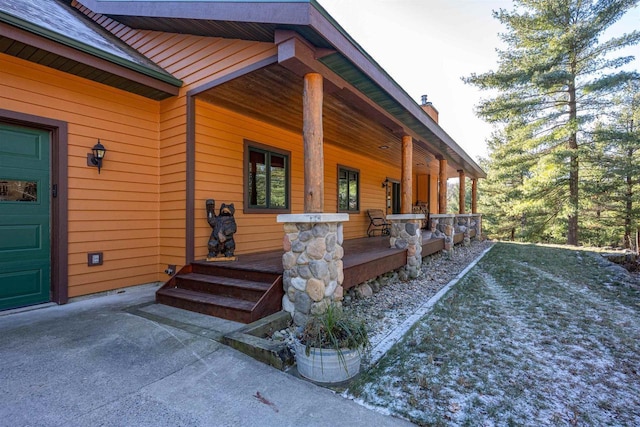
(429, 108)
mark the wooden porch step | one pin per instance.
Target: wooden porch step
(246, 268)
(223, 286)
(212, 305)
(233, 293)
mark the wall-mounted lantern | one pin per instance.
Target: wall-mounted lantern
(95, 157)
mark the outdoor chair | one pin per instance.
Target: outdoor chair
(377, 221)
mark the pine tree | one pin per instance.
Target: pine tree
(614, 166)
(502, 187)
(553, 78)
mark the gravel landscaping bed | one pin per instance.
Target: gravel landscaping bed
(391, 300)
(394, 300)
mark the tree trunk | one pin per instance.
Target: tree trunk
(628, 209)
(406, 188)
(313, 135)
(572, 232)
(474, 195)
(462, 193)
(442, 191)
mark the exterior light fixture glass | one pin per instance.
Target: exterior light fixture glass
(95, 157)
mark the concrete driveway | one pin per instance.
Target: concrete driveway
(120, 360)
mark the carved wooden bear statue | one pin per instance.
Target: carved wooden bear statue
(224, 226)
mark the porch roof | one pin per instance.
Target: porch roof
(260, 20)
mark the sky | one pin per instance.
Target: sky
(426, 46)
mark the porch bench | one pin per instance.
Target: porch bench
(377, 221)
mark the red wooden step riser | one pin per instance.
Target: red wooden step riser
(217, 289)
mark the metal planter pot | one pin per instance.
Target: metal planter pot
(325, 365)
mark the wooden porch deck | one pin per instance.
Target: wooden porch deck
(251, 287)
(364, 259)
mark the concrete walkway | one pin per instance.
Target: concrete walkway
(120, 360)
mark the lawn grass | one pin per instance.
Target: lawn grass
(532, 335)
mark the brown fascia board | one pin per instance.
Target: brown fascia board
(286, 13)
(51, 46)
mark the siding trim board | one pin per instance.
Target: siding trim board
(59, 204)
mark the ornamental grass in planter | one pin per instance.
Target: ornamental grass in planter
(330, 346)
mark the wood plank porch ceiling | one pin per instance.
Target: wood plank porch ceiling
(274, 95)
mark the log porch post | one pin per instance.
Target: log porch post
(313, 139)
(474, 195)
(406, 184)
(461, 196)
(442, 190)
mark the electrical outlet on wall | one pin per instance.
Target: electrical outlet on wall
(94, 258)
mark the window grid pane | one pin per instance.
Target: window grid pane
(278, 187)
(343, 194)
(348, 190)
(257, 179)
(268, 179)
(353, 193)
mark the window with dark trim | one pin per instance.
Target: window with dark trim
(348, 189)
(266, 178)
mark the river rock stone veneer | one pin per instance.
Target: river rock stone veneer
(406, 234)
(312, 262)
(442, 226)
(464, 227)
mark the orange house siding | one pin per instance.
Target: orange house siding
(372, 195)
(195, 60)
(220, 136)
(115, 212)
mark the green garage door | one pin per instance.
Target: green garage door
(25, 249)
